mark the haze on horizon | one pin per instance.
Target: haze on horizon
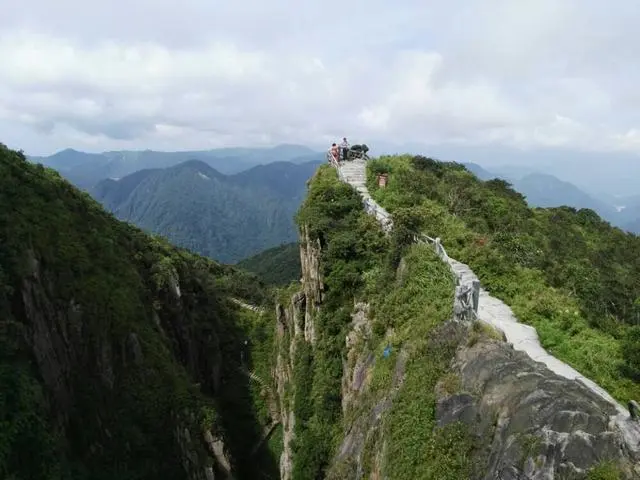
(143, 74)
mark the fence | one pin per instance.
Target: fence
(467, 294)
(332, 161)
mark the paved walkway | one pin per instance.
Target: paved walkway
(496, 313)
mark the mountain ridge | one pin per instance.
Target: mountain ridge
(226, 217)
(86, 169)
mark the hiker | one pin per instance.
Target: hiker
(344, 147)
(334, 154)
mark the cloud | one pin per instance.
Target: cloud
(145, 74)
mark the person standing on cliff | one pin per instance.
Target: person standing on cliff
(334, 154)
(344, 148)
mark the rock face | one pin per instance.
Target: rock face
(363, 432)
(531, 423)
(289, 328)
(63, 343)
(119, 353)
(311, 282)
(295, 323)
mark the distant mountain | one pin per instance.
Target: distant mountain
(86, 169)
(479, 171)
(277, 266)
(542, 190)
(225, 217)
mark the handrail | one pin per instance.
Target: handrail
(467, 294)
(331, 160)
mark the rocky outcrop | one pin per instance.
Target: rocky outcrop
(295, 322)
(364, 413)
(532, 423)
(288, 331)
(69, 348)
(575, 423)
(312, 283)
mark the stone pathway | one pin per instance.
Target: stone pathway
(494, 311)
(247, 306)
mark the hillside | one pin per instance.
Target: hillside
(545, 190)
(384, 370)
(277, 266)
(225, 217)
(86, 169)
(121, 356)
(565, 271)
(542, 190)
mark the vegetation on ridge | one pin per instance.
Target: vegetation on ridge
(278, 266)
(224, 217)
(566, 272)
(359, 263)
(351, 244)
(103, 362)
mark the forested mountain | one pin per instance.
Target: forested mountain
(87, 169)
(121, 356)
(387, 369)
(226, 217)
(275, 266)
(566, 271)
(544, 190)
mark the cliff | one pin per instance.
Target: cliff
(120, 355)
(416, 386)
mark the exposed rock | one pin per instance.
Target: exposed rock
(296, 321)
(288, 331)
(312, 282)
(531, 421)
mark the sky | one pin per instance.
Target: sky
(199, 74)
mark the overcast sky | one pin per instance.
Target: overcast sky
(196, 74)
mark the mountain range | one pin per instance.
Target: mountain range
(232, 203)
(545, 190)
(225, 217)
(86, 169)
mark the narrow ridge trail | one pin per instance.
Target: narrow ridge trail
(493, 311)
(246, 305)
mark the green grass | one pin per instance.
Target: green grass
(566, 273)
(413, 311)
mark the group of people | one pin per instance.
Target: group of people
(338, 153)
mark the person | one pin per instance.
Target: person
(334, 155)
(344, 147)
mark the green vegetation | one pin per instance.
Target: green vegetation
(410, 301)
(351, 244)
(566, 272)
(278, 266)
(605, 471)
(414, 310)
(224, 217)
(113, 342)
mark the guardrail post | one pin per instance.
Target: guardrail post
(475, 285)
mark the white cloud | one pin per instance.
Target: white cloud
(143, 74)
